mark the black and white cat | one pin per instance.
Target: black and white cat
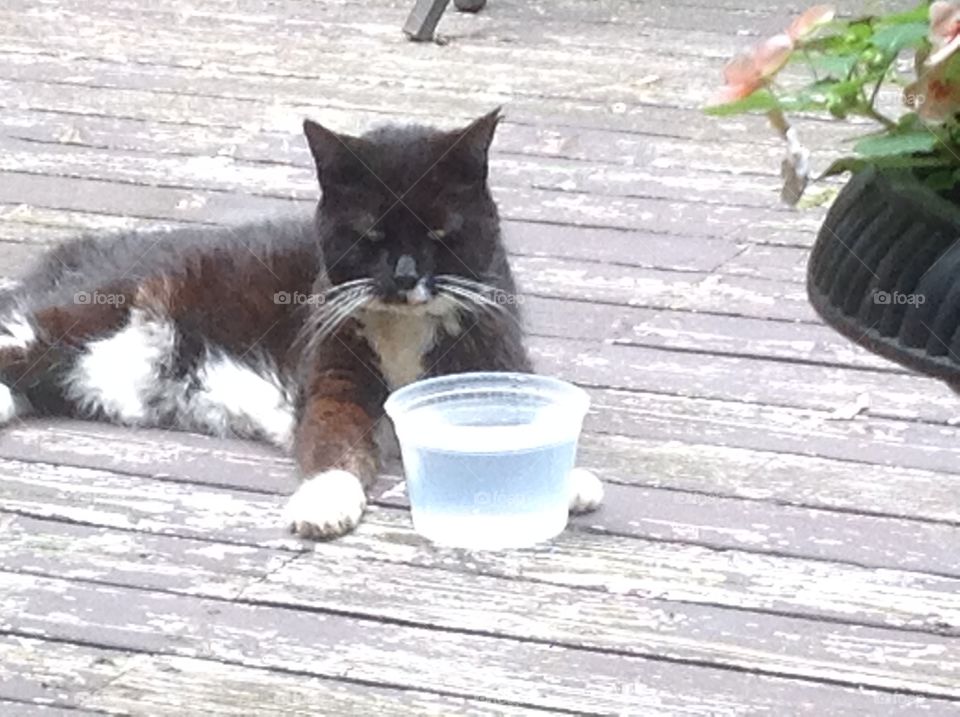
(291, 332)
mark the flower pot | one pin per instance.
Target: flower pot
(885, 271)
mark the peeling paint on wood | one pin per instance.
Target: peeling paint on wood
(748, 535)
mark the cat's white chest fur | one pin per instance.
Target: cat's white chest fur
(401, 341)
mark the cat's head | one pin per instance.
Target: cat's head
(404, 205)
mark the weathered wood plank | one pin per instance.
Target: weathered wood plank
(30, 223)
(675, 329)
(194, 567)
(420, 594)
(726, 523)
(600, 112)
(788, 430)
(695, 468)
(401, 656)
(92, 680)
(753, 380)
(724, 335)
(25, 709)
(645, 106)
(177, 686)
(538, 275)
(782, 263)
(635, 510)
(138, 201)
(646, 288)
(765, 475)
(613, 68)
(655, 167)
(37, 673)
(737, 578)
(675, 218)
(731, 20)
(685, 167)
(614, 74)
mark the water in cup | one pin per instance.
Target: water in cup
(489, 499)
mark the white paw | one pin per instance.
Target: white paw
(586, 491)
(326, 506)
(8, 405)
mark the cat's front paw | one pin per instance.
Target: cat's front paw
(326, 506)
(586, 491)
(8, 405)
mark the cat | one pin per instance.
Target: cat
(290, 331)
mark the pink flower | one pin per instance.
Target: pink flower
(749, 71)
(944, 31)
(934, 98)
(809, 21)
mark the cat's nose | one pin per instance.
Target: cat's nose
(405, 276)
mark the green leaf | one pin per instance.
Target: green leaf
(858, 31)
(918, 141)
(921, 13)
(832, 65)
(759, 101)
(844, 89)
(804, 102)
(893, 38)
(901, 161)
(942, 179)
(834, 44)
(844, 164)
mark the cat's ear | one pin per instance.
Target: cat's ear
(470, 147)
(478, 135)
(333, 153)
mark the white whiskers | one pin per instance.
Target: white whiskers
(477, 297)
(339, 303)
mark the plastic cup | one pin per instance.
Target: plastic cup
(488, 456)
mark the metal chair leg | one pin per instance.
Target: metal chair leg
(423, 19)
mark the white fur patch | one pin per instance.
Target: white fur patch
(402, 335)
(236, 398)
(586, 491)
(16, 332)
(127, 376)
(8, 405)
(419, 294)
(326, 505)
(121, 373)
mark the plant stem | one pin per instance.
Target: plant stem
(795, 168)
(869, 110)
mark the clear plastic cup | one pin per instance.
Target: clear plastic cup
(487, 456)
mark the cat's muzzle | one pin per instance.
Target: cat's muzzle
(421, 293)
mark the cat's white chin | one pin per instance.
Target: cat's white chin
(586, 491)
(8, 405)
(326, 506)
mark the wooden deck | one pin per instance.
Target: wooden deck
(782, 530)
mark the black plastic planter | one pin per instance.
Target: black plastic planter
(885, 272)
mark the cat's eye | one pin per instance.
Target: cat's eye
(438, 234)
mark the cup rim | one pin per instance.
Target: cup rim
(408, 398)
